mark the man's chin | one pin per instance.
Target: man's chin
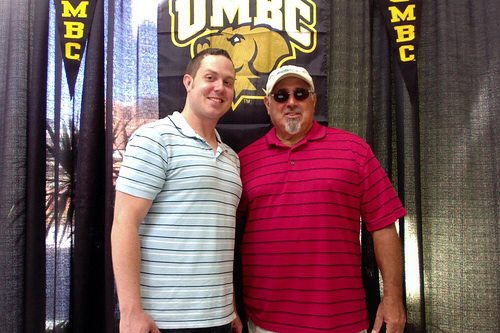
(293, 128)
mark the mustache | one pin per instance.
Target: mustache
(294, 110)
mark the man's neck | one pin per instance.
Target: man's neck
(203, 127)
(289, 141)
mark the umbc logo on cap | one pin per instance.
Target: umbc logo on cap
(259, 35)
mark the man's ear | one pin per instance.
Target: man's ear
(188, 82)
(267, 102)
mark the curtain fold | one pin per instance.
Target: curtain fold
(91, 282)
(15, 25)
(23, 60)
(35, 263)
(111, 299)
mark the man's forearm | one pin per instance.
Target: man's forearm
(129, 213)
(126, 266)
(389, 259)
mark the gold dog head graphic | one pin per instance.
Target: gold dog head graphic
(254, 50)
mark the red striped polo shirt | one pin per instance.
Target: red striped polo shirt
(303, 207)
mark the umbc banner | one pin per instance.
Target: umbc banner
(402, 19)
(74, 19)
(260, 36)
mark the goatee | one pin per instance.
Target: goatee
(292, 126)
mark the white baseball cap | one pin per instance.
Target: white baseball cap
(287, 71)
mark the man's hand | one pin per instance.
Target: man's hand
(137, 322)
(236, 325)
(391, 312)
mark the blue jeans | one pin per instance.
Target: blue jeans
(218, 329)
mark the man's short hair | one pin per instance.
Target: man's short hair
(194, 64)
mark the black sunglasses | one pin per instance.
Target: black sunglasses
(300, 94)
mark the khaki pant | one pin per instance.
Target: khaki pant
(252, 328)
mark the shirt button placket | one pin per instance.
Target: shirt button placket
(291, 161)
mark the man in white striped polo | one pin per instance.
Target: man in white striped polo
(173, 229)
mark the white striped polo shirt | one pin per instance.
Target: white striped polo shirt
(187, 237)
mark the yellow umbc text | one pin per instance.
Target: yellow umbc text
(405, 32)
(73, 30)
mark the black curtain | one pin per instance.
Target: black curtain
(92, 292)
(35, 267)
(23, 60)
(459, 140)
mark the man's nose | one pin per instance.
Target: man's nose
(291, 99)
(219, 84)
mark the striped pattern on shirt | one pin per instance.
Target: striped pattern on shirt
(300, 251)
(187, 237)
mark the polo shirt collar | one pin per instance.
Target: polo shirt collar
(182, 125)
(316, 132)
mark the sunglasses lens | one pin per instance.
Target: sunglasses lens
(301, 94)
(281, 96)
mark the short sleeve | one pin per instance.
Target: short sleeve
(144, 167)
(380, 204)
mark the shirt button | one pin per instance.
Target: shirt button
(292, 162)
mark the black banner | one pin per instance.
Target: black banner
(402, 19)
(258, 38)
(74, 19)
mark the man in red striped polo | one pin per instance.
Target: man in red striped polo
(306, 190)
